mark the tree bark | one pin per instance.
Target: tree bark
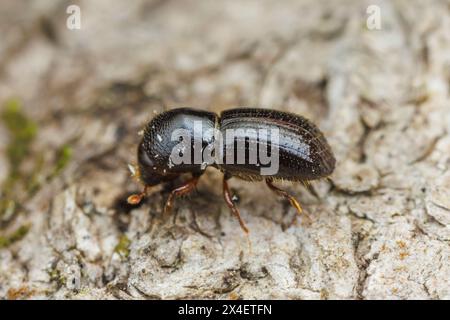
(381, 225)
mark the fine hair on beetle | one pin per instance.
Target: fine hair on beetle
(246, 143)
(250, 146)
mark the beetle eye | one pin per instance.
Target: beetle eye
(143, 157)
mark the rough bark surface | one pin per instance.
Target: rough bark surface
(381, 228)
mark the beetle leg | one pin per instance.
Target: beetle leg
(137, 198)
(287, 196)
(179, 191)
(229, 201)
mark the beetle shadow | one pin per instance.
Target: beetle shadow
(202, 212)
(198, 211)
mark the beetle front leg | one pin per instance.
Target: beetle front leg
(186, 188)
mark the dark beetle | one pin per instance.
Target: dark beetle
(302, 151)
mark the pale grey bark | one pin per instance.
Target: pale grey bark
(381, 229)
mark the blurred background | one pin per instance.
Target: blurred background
(76, 89)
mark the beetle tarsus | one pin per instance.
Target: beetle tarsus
(287, 196)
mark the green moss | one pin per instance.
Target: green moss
(38, 177)
(17, 235)
(23, 181)
(22, 132)
(55, 275)
(122, 247)
(35, 179)
(63, 157)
